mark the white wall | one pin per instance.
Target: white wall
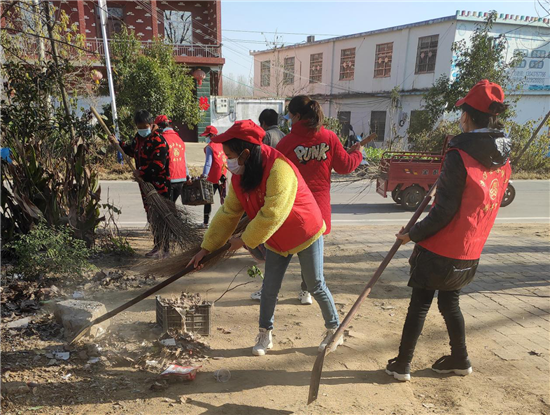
(242, 109)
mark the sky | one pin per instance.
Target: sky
(293, 21)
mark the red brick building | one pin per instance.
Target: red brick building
(193, 28)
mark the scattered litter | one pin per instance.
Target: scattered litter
(387, 307)
(93, 360)
(159, 386)
(61, 355)
(428, 405)
(533, 353)
(22, 323)
(78, 294)
(151, 363)
(181, 372)
(67, 376)
(169, 342)
(224, 331)
(222, 375)
(169, 400)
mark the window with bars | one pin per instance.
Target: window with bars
(378, 124)
(426, 54)
(288, 76)
(347, 64)
(265, 73)
(382, 60)
(315, 67)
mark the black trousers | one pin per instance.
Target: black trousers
(448, 303)
(176, 190)
(208, 208)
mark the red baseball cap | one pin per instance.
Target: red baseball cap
(162, 118)
(246, 130)
(209, 130)
(482, 95)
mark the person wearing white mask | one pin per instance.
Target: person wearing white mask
(283, 215)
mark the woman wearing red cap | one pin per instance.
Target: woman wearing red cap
(214, 168)
(450, 239)
(284, 216)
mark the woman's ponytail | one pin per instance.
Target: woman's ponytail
(310, 111)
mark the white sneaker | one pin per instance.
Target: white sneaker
(257, 295)
(264, 341)
(305, 298)
(328, 336)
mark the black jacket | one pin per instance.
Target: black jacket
(491, 148)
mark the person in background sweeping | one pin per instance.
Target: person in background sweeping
(151, 154)
(284, 216)
(214, 168)
(178, 164)
(449, 241)
(316, 151)
(269, 120)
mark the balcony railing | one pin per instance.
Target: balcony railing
(195, 50)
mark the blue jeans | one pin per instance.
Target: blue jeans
(311, 262)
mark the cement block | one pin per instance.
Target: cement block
(75, 314)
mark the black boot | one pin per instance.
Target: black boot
(452, 364)
(399, 370)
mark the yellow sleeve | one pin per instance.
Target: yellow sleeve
(281, 188)
(224, 223)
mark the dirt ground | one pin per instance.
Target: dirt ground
(353, 378)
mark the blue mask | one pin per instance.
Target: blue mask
(144, 132)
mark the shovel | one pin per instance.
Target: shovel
(318, 366)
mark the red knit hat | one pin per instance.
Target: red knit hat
(482, 95)
(162, 118)
(209, 130)
(246, 130)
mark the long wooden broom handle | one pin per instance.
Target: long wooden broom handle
(127, 159)
(381, 268)
(149, 292)
(368, 139)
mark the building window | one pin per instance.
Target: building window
(178, 27)
(347, 64)
(344, 117)
(382, 62)
(288, 76)
(265, 73)
(378, 124)
(315, 67)
(115, 21)
(426, 54)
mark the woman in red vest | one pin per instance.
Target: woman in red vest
(316, 151)
(284, 216)
(214, 168)
(450, 239)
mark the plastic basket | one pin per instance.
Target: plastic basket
(198, 320)
(199, 192)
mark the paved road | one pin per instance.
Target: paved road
(352, 204)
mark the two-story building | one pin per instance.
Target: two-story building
(193, 28)
(375, 80)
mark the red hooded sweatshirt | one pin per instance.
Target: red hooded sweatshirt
(315, 154)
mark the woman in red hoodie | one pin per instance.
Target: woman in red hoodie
(316, 151)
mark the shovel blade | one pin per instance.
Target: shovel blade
(316, 373)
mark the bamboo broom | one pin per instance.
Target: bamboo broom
(165, 218)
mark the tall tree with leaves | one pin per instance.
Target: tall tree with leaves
(484, 58)
(149, 78)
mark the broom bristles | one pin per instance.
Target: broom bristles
(175, 263)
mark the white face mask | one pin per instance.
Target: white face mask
(234, 167)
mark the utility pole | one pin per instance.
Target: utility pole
(103, 19)
(38, 30)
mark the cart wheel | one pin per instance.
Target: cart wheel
(412, 196)
(396, 194)
(509, 195)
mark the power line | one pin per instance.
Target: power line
(280, 33)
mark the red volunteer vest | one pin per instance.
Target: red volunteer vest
(465, 236)
(219, 163)
(305, 219)
(178, 170)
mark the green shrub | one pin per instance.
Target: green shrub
(535, 159)
(373, 155)
(432, 141)
(49, 251)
